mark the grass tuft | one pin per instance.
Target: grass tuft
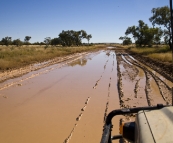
(162, 53)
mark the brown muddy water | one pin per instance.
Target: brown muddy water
(68, 102)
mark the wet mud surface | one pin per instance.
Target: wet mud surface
(139, 85)
(68, 100)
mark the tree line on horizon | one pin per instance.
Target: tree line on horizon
(66, 38)
(148, 36)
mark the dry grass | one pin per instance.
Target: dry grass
(162, 53)
(15, 57)
(123, 46)
(158, 52)
(146, 50)
(164, 57)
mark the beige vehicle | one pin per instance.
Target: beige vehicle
(151, 125)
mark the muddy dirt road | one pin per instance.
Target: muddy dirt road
(67, 102)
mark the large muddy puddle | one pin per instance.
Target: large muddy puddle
(68, 102)
(65, 102)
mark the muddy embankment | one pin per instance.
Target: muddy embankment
(13, 73)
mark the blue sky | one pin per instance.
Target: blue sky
(105, 20)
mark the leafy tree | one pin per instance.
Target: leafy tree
(158, 35)
(142, 34)
(88, 37)
(126, 40)
(55, 41)
(166, 40)
(66, 38)
(162, 16)
(77, 37)
(83, 34)
(36, 43)
(6, 41)
(17, 42)
(121, 38)
(47, 41)
(72, 38)
(27, 38)
(42, 43)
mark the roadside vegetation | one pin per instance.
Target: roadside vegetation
(15, 57)
(158, 52)
(162, 53)
(159, 33)
(154, 42)
(17, 53)
(65, 38)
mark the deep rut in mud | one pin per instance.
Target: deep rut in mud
(149, 89)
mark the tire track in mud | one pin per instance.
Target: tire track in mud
(124, 99)
(149, 77)
(108, 96)
(18, 83)
(109, 86)
(136, 87)
(119, 76)
(147, 86)
(164, 89)
(157, 66)
(96, 84)
(107, 103)
(120, 91)
(78, 118)
(153, 74)
(148, 89)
